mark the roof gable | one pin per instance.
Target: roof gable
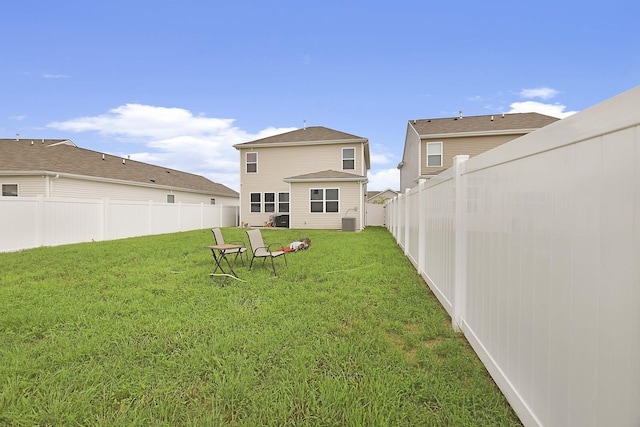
(58, 156)
(497, 123)
(330, 175)
(305, 135)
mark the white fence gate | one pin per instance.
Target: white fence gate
(29, 222)
(534, 250)
(375, 215)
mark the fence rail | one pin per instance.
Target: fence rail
(533, 248)
(29, 222)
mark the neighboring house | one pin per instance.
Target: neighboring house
(380, 197)
(307, 178)
(59, 168)
(431, 144)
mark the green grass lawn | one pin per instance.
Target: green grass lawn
(136, 332)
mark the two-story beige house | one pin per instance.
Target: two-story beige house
(431, 144)
(310, 178)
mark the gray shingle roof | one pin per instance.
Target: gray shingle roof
(62, 156)
(473, 124)
(309, 134)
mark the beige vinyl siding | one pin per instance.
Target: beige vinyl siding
(31, 186)
(409, 172)
(277, 163)
(301, 216)
(28, 186)
(451, 147)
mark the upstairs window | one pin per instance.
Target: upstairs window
(213, 201)
(252, 162)
(324, 200)
(171, 198)
(434, 154)
(9, 190)
(348, 158)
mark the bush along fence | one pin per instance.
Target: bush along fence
(533, 249)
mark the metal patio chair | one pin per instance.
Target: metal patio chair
(259, 250)
(217, 236)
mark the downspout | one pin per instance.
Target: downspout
(49, 189)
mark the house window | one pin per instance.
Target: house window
(269, 202)
(283, 202)
(255, 202)
(213, 201)
(9, 190)
(252, 162)
(348, 158)
(324, 200)
(171, 198)
(434, 154)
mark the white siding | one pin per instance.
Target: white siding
(49, 186)
(28, 186)
(277, 163)
(302, 217)
(410, 171)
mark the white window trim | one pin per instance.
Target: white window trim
(288, 202)
(251, 202)
(274, 203)
(353, 158)
(246, 161)
(441, 154)
(324, 200)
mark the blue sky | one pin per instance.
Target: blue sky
(177, 83)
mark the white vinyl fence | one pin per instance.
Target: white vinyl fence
(29, 222)
(534, 250)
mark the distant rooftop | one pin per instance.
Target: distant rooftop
(485, 123)
(63, 156)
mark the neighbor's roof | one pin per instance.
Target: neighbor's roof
(64, 157)
(328, 175)
(311, 134)
(498, 123)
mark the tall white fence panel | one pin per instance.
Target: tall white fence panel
(32, 222)
(534, 250)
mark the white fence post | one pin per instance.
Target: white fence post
(40, 231)
(407, 221)
(460, 259)
(422, 215)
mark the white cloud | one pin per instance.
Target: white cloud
(175, 138)
(380, 155)
(540, 92)
(554, 110)
(382, 179)
(18, 118)
(55, 76)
